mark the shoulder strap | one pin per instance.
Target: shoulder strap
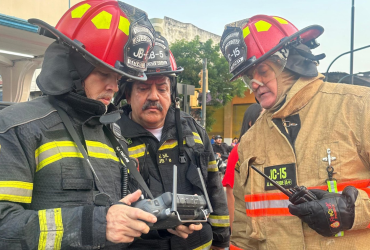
(71, 130)
(182, 158)
(123, 155)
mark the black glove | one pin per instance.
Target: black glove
(330, 213)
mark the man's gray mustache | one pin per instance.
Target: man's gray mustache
(151, 104)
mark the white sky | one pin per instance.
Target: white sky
(333, 15)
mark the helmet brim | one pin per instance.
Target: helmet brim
(177, 71)
(86, 54)
(307, 34)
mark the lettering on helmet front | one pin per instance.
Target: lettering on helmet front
(140, 53)
(145, 30)
(157, 63)
(140, 39)
(136, 64)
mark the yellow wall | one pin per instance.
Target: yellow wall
(230, 117)
(49, 11)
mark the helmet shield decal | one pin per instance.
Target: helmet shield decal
(233, 47)
(159, 57)
(267, 70)
(140, 42)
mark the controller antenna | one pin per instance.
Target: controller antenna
(210, 209)
(174, 190)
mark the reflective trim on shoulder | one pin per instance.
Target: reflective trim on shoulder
(137, 151)
(205, 246)
(54, 151)
(169, 144)
(197, 138)
(16, 191)
(51, 229)
(212, 167)
(219, 220)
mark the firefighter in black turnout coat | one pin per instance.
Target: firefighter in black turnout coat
(150, 126)
(50, 196)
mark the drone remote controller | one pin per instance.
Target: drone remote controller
(172, 209)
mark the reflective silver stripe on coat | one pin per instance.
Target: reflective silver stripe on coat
(212, 167)
(137, 151)
(16, 191)
(219, 220)
(51, 229)
(267, 204)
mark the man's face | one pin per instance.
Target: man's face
(101, 85)
(266, 94)
(218, 140)
(150, 101)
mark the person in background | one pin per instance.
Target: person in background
(221, 148)
(250, 117)
(234, 142)
(213, 140)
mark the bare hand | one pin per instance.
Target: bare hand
(184, 231)
(124, 223)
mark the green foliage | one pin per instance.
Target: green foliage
(190, 56)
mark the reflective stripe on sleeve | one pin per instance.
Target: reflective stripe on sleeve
(137, 151)
(16, 191)
(212, 167)
(219, 220)
(205, 246)
(51, 229)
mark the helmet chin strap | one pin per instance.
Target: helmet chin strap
(182, 158)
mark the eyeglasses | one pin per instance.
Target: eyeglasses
(267, 70)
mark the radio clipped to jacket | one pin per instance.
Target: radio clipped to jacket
(174, 209)
(297, 195)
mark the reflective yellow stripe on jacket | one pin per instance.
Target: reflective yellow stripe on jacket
(276, 204)
(54, 151)
(212, 167)
(197, 138)
(51, 229)
(137, 151)
(219, 220)
(205, 246)
(16, 191)
(169, 144)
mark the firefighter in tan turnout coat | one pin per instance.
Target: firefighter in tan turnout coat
(312, 133)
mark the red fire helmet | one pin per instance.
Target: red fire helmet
(260, 38)
(107, 33)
